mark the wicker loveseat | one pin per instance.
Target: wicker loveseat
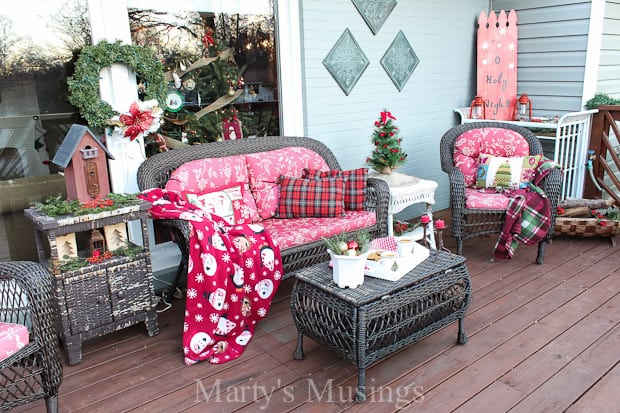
(156, 171)
(494, 138)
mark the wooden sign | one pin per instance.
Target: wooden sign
(497, 63)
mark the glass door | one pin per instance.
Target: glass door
(221, 66)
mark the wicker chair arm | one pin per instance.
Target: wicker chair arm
(40, 312)
(378, 200)
(552, 186)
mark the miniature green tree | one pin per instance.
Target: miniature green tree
(387, 155)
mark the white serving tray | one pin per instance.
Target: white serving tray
(405, 264)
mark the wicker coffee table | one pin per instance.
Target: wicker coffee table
(372, 321)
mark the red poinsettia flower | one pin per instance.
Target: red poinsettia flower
(137, 121)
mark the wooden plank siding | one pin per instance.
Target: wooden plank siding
(553, 38)
(542, 338)
(608, 74)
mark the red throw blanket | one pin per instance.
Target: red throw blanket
(233, 273)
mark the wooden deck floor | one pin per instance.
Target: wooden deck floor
(541, 339)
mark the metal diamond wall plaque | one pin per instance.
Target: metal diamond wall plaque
(399, 61)
(375, 12)
(346, 62)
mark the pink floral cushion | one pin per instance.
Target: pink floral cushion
(265, 168)
(210, 174)
(313, 229)
(485, 199)
(13, 337)
(492, 141)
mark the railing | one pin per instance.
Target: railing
(603, 154)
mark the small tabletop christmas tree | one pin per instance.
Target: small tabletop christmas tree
(388, 154)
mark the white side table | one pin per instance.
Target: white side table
(406, 190)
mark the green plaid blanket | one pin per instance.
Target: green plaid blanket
(528, 216)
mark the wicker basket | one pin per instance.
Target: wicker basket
(585, 227)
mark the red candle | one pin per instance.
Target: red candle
(425, 219)
(439, 224)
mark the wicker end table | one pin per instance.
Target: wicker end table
(406, 190)
(99, 298)
(372, 321)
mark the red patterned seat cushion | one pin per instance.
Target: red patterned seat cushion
(13, 337)
(485, 199)
(292, 232)
(355, 185)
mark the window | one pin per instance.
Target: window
(38, 40)
(220, 62)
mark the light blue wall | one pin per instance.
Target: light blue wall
(443, 38)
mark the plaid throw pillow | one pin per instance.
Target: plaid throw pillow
(356, 181)
(303, 198)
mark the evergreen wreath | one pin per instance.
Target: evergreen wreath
(84, 84)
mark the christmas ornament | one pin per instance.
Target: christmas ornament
(189, 84)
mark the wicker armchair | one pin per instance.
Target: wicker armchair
(468, 223)
(34, 371)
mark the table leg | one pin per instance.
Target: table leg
(462, 338)
(360, 393)
(298, 354)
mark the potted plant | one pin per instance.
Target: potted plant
(348, 258)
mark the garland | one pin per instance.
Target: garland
(84, 84)
(57, 206)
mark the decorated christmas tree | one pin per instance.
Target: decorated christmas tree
(387, 155)
(201, 94)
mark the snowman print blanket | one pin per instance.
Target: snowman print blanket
(233, 273)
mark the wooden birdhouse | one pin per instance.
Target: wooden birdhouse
(84, 160)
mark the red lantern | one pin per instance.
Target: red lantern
(477, 109)
(523, 109)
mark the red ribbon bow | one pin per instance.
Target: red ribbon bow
(386, 115)
(207, 39)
